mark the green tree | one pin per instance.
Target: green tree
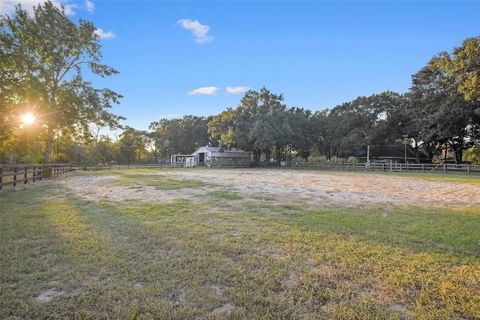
(472, 154)
(184, 135)
(440, 113)
(463, 65)
(131, 146)
(354, 125)
(262, 124)
(42, 59)
(320, 135)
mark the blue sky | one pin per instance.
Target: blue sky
(318, 54)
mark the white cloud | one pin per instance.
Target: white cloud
(104, 35)
(237, 90)
(208, 91)
(70, 8)
(89, 5)
(8, 6)
(199, 31)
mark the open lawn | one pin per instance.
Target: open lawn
(241, 244)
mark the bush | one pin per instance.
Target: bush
(299, 160)
(47, 172)
(336, 160)
(317, 159)
(352, 160)
(472, 154)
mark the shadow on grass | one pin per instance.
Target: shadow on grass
(184, 259)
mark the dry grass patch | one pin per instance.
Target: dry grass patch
(159, 181)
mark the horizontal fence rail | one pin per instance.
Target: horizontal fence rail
(13, 175)
(373, 167)
(395, 167)
(122, 166)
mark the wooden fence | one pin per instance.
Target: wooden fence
(13, 175)
(395, 167)
(373, 167)
(122, 166)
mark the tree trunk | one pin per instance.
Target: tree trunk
(279, 156)
(49, 150)
(417, 151)
(268, 155)
(256, 155)
(458, 154)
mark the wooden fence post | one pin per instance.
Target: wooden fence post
(34, 173)
(444, 168)
(468, 168)
(14, 176)
(25, 175)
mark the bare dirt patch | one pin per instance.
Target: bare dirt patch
(48, 295)
(348, 190)
(289, 186)
(224, 310)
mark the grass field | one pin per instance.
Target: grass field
(240, 244)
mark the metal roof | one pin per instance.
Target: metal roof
(218, 152)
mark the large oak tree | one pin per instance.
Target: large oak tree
(43, 58)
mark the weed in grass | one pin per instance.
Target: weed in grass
(225, 195)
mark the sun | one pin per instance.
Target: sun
(28, 118)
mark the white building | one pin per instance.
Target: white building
(214, 157)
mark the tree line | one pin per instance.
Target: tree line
(44, 56)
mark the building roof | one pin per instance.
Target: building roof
(219, 152)
(218, 149)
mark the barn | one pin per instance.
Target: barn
(214, 157)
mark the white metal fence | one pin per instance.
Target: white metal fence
(395, 167)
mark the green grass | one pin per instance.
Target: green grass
(232, 259)
(431, 230)
(225, 195)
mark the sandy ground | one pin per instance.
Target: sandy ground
(315, 187)
(289, 186)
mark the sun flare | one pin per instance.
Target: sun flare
(28, 118)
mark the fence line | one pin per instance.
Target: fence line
(395, 167)
(374, 167)
(22, 174)
(122, 166)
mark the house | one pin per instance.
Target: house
(214, 157)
